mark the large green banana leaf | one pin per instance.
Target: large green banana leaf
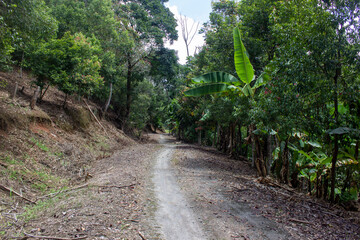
(207, 89)
(216, 77)
(243, 66)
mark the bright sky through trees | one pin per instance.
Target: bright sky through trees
(198, 11)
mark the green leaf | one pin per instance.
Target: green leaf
(326, 160)
(314, 144)
(216, 77)
(207, 89)
(247, 90)
(263, 79)
(306, 155)
(301, 143)
(243, 66)
(313, 177)
(342, 131)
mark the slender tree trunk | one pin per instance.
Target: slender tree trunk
(231, 139)
(333, 168)
(65, 100)
(240, 140)
(218, 135)
(34, 98)
(285, 162)
(15, 90)
(253, 147)
(21, 64)
(336, 144)
(260, 161)
(325, 188)
(215, 136)
(43, 93)
(199, 137)
(128, 93)
(109, 98)
(269, 151)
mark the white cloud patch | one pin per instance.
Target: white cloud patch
(179, 45)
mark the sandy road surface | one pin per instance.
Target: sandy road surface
(174, 215)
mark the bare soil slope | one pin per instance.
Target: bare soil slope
(46, 150)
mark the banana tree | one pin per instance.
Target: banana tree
(220, 82)
(245, 84)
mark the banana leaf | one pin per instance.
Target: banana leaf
(207, 89)
(243, 66)
(216, 77)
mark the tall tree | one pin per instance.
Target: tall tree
(148, 23)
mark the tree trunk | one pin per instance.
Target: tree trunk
(128, 93)
(109, 99)
(231, 139)
(285, 161)
(269, 151)
(239, 141)
(218, 135)
(34, 98)
(333, 169)
(199, 137)
(336, 144)
(325, 187)
(21, 64)
(65, 100)
(214, 138)
(15, 90)
(260, 161)
(43, 93)
(253, 147)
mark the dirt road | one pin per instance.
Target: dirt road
(176, 215)
(176, 218)
(169, 190)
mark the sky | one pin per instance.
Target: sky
(196, 11)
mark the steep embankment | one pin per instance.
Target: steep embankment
(46, 149)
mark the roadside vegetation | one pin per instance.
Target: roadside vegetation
(276, 85)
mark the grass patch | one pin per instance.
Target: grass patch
(40, 145)
(32, 212)
(39, 177)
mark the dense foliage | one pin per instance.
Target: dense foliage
(282, 90)
(298, 117)
(109, 51)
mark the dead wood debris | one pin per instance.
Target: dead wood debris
(299, 221)
(6, 189)
(142, 236)
(52, 195)
(27, 236)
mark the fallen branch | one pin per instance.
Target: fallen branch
(142, 236)
(17, 194)
(96, 118)
(299, 221)
(239, 189)
(113, 186)
(50, 237)
(82, 186)
(63, 191)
